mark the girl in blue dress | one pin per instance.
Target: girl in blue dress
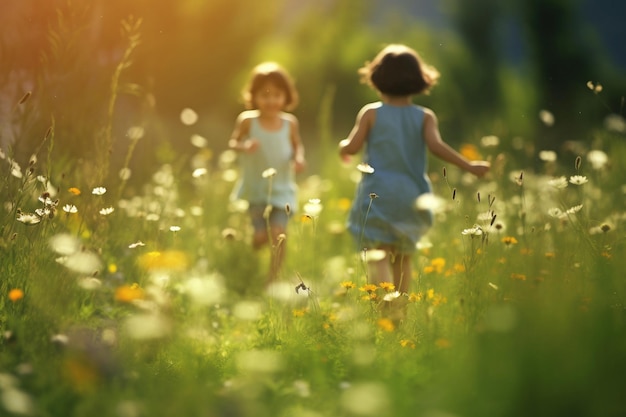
(271, 152)
(396, 135)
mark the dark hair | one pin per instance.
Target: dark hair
(398, 70)
(270, 72)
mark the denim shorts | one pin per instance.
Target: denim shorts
(277, 217)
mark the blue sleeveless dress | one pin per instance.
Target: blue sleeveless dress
(275, 151)
(396, 150)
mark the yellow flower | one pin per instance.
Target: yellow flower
(519, 277)
(406, 343)
(470, 152)
(509, 240)
(74, 191)
(386, 325)
(387, 286)
(128, 293)
(413, 297)
(156, 260)
(16, 294)
(299, 312)
(112, 268)
(370, 288)
(344, 204)
(348, 285)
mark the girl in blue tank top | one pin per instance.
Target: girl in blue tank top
(395, 135)
(271, 152)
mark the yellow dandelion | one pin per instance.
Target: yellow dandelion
(16, 294)
(429, 269)
(348, 285)
(299, 312)
(129, 293)
(369, 288)
(509, 240)
(385, 325)
(74, 190)
(387, 286)
(413, 297)
(470, 152)
(407, 343)
(344, 204)
(112, 268)
(156, 260)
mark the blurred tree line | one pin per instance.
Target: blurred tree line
(196, 54)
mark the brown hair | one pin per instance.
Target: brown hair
(398, 70)
(270, 72)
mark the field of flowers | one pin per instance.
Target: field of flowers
(150, 302)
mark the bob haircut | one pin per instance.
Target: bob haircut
(398, 70)
(270, 72)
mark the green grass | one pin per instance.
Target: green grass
(525, 319)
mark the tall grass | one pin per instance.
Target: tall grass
(151, 303)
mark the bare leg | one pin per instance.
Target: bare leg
(401, 266)
(379, 270)
(278, 251)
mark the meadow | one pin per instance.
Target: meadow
(149, 301)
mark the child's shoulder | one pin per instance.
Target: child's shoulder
(247, 115)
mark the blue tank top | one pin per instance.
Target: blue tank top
(395, 148)
(275, 151)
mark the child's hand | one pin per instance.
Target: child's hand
(250, 145)
(479, 168)
(299, 165)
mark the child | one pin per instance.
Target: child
(270, 148)
(396, 134)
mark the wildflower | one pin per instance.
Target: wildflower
(129, 293)
(595, 87)
(156, 260)
(473, 231)
(413, 297)
(99, 191)
(135, 132)
(597, 159)
(489, 141)
(519, 277)
(16, 294)
(556, 212)
(136, 244)
(470, 152)
(547, 156)
(199, 172)
(74, 190)
(70, 208)
(390, 296)
(268, 173)
(313, 207)
(407, 343)
(365, 168)
(106, 211)
(174, 229)
(344, 204)
(578, 179)
(574, 209)
(188, 116)
(387, 286)
(369, 288)
(299, 312)
(348, 285)
(385, 324)
(509, 240)
(546, 117)
(29, 219)
(559, 182)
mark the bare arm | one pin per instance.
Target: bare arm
(443, 151)
(296, 145)
(239, 140)
(356, 139)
